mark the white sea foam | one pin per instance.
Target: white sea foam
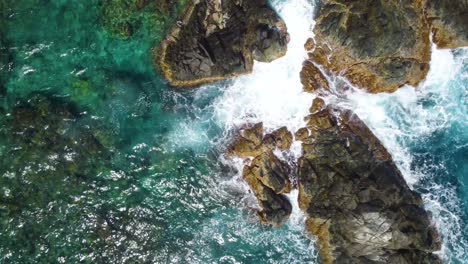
(272, 94)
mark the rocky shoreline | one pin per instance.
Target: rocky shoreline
(356, 200)
(216, 40)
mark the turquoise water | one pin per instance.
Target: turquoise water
(101, 161)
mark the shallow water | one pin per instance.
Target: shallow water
(163, 191)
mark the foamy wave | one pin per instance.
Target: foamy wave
(272, 94)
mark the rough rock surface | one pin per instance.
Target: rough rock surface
(266, 175)
(378, 45)
(358, 204)
(220, 39)
(449, 22)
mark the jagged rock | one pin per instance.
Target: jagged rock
(317, 105)
(248, 142)
(379, 45)
(358, 203)
(216, 40)
(271, 171)
(254, 134)
(449, 22)
(276, 208)
(312, 78)
(281, 138)
(266, 174)
(302, 134)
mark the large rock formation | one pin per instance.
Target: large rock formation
(378, 45)
(220, 39)
(357, 202)
(449, 22)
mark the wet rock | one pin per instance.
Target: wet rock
(312, 78)
(275, 208)
(317, 105)
(449, 22)
(378, 45)
(248, 142)
(302, 134)
(271, 172)
(267, 176)
(358, 204)
(281, 138)
(216, 40)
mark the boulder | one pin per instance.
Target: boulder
(216, 40)
(449, 22)
(379, 45)
(358, 204)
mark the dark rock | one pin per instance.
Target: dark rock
(379, 45)
(226, 36)
(449, 22)
(358, 204)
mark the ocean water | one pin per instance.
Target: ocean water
(101, 161)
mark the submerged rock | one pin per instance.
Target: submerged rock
(378, 45)
(449, 22)
(358, 204)
(220, 39)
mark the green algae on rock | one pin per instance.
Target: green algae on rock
(216, 40)
(123, 18)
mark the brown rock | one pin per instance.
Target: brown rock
(280, 138)
(449, 22)
(302, 134)
(379, 45)
(275, 207)
(312, 78)
(272, 172)
(317, 105)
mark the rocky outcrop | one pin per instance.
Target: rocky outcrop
(267, 176)
(449, 22)
(358, 203)
(378, 45)
(216, 40)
